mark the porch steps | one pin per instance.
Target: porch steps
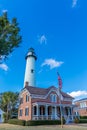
(69, 121)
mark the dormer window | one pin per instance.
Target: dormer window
(53, 97)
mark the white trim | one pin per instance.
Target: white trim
(67, 99)
(24, 91)
(52, 104)
(80, 100)
(52, 90)
(53, 98)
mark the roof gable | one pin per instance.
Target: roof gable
(44, 91)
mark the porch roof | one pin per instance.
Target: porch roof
(52, 104)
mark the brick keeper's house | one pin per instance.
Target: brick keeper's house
(42, 103)
(80, 108)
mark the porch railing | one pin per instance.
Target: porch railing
(44, 117)
(53, 117)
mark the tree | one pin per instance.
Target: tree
(8, 103)
(9, 36)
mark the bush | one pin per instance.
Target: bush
(34, 122)
(42, 122)
(83, 121)
(76, 120)
(17, 122)
(83, 117)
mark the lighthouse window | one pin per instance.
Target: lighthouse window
(32, 71)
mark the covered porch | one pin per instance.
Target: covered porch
(48, 111)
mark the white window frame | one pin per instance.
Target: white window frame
(20, 112)
(27, 98)
(27, 111)
(53, 97)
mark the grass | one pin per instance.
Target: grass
(55, 127)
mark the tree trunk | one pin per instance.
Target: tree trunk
(7, 112)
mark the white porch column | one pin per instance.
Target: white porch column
(55, 112)
(46, 111)
(33, 110)
(71, 112)
(68, 111)
(64, 111)
(37, 111)
(61, 110)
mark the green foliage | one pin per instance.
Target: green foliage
(42, 122)
(76, 120)
(8, 103)
(16, 122)
(9, 35)
(83, 121)
(83, 117)
(5, 117)
(34, 122)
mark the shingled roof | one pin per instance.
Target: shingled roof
(44, 91)
(66, 95)
(80, 100)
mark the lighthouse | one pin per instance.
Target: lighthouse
(29, 79)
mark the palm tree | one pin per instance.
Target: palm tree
(8, 103)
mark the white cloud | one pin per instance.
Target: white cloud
(52, 63)
(4, 10)
(79, 93)
(74, 3)
(42, 39)
(4, 67)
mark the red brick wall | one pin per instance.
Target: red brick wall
(81, 111)
(33, 100)
(23, 106)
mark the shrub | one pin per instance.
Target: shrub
(76, 120)
(83, 117)
(35, 122)
(42, 122)
(83, 121)
(16, 122)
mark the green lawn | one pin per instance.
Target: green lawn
(56, 127)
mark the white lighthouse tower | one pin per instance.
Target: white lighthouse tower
(29, 79)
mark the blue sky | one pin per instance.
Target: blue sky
(57, 30)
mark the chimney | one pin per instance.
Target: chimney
(26, 84)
